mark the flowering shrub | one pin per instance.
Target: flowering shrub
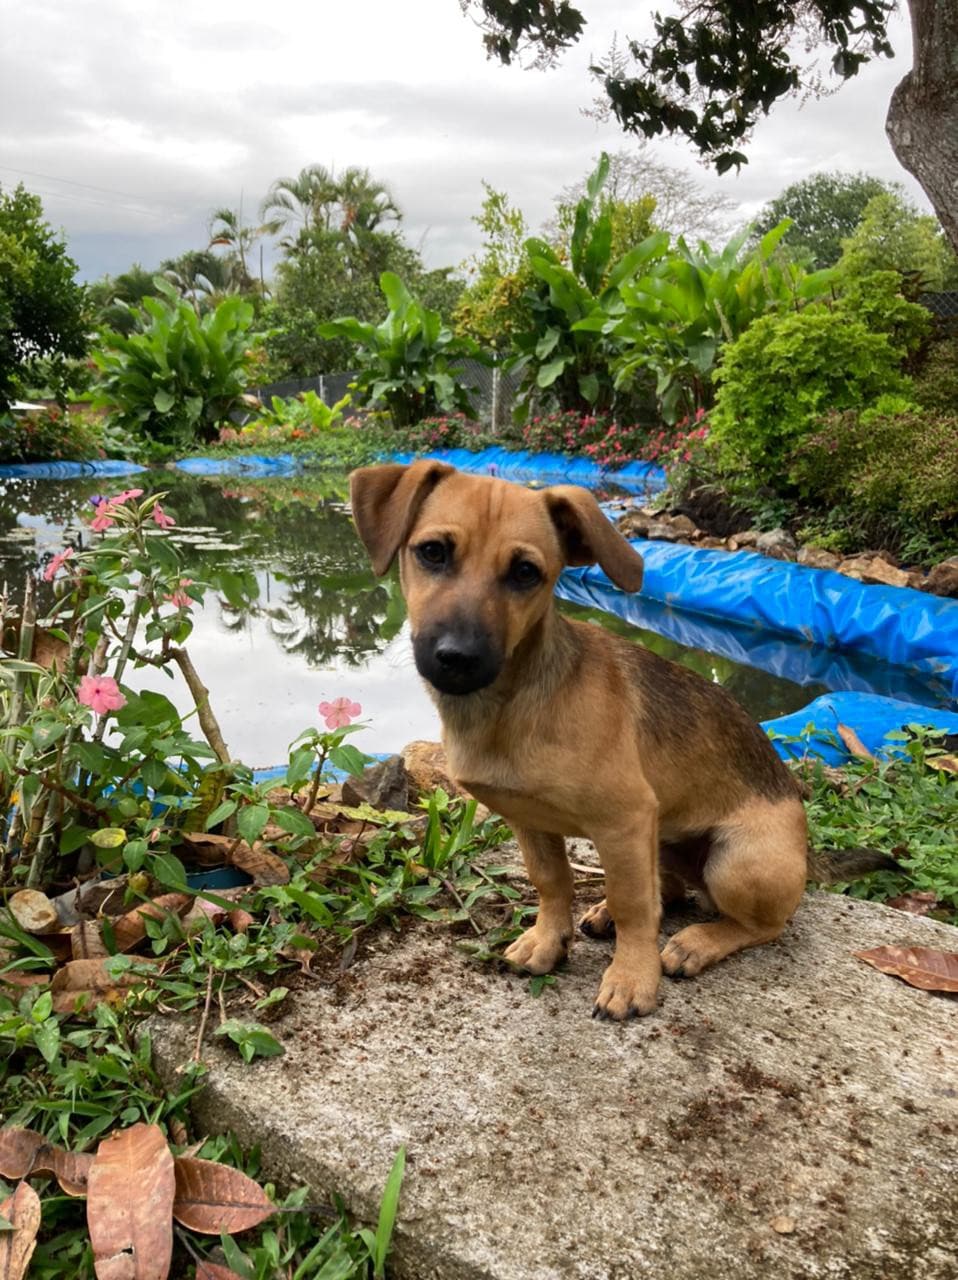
(49, 433)
(449, 431)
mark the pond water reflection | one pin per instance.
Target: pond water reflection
(297, 616)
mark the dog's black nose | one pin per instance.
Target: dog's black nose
(457, 659)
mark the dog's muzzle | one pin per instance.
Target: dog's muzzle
(457, 659)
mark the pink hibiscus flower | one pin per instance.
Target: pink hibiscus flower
(179, 597)
(126, 495)
(56, 564)
(161, 518)
(101, 693)
(339, 713)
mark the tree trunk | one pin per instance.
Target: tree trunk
(922, 122)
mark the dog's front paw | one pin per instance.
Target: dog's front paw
(628, 990)
(538, 950)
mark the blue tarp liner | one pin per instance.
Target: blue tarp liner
(779, 655)
(68, 470)
(550, 468)
(871, 717)
(895, 624)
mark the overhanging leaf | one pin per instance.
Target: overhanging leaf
(212, 1198)
(130, 1205)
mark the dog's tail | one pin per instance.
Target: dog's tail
(835, 866)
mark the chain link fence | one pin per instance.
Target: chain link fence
(944, 307)
(493, 390)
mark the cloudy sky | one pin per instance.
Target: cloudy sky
(134, 118)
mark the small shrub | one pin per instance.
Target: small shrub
(784, 372)
(936, 382)
(178, 376)
(450, 431)
(49, 435)
(893, 475)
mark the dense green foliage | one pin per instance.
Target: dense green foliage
(177, 376)
(42, 308)
(410, 364)
(823, 209)
(49, 433)
(893, 236)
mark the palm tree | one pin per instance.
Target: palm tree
(227, 230)
(301, 204)
(364, 203)
(201, 277)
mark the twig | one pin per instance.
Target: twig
(257, 991)
(201, 700)
(447, 884)
(206, 1014)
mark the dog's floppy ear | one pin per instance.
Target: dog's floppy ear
(386, 501)
(587, 537)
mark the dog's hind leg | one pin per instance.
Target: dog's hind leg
(755, 876)
(541, 948)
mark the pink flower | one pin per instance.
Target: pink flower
(126, 495)
(102, 520)
(339, 713)
(161, 518)
(56, 564)
(102, 693)
(179, 597)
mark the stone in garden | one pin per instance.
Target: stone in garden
(943, 578)
(777, 543)
(663, 531)
(33, 911)
(819, 558)
(427, 768)
(875, 570)
(747, 537)
(384, 785)
(683, 526)
(789, 1115)
(634, 525)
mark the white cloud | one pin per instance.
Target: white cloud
(134, 118)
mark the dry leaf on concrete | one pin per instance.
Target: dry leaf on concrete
(18, 1151)
(212, 1197)
(130, 1205)
(924, 967)
(24, 1152)
(917, 902)
(17, 1246)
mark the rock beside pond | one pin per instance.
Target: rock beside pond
(943, 578)
(777, 543)
(385, 785)
(428, 768)
(790, 1115)
(818, 558)
(874, 569)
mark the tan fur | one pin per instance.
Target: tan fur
(584, 734)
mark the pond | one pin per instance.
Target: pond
(297, 616)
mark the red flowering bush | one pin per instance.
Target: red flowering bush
(49, 434)
(446, 431)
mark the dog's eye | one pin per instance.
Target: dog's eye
(432, 554)
(524, 573)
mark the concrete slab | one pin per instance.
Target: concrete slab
(791, 1114)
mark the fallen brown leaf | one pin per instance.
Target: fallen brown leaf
(266, 868)
(17, 1246)
(87, 941)
(130, 929)
(214, 1271)
(89, 981)
(212, 1197)
(129, 1205)
(948, 763)
(240, 920)
(853, 743)
(18, 1151)
(917, 902)
(923, 967)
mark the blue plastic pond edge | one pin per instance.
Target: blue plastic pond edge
(894, 624)
(68, 470)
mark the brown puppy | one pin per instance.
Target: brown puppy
(565, 729)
